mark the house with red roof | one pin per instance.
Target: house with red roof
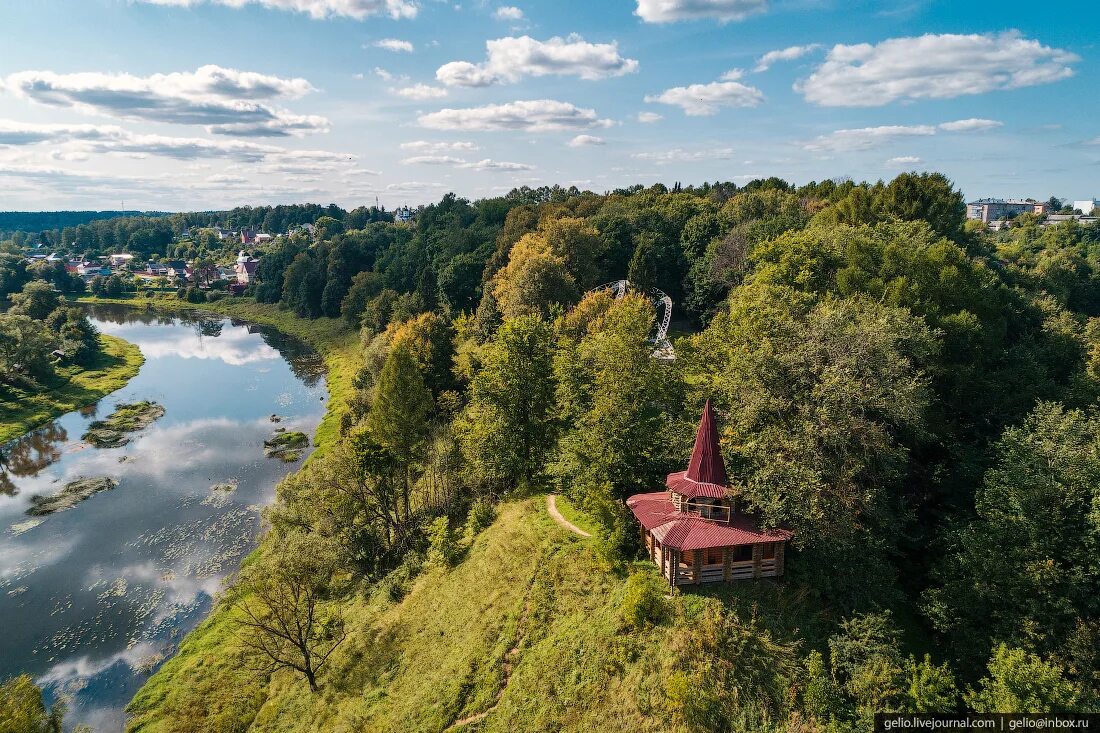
(695, 531)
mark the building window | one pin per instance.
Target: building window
(742, 553)
(714, 556)
(769, 551)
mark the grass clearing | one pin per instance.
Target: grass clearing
(71, 388)
(575, 515)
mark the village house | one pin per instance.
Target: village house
(696, 532)
(245, 268)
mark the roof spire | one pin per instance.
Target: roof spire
(706, 464)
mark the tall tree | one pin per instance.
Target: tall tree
(507, 430)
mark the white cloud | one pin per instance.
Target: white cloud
(668, 11)
(424, 146)
(649, 117)
(317, 9)
(486, 164)
(679, 155)
(75, 142)
(498, 165)
(433, 160)
(535, 115)
(865, 138)
(510, 59)
(581, 141)
(420, 92)
(394, 44)
(932, 67)
(383, 74)
(508, 12)
(903, 160)
(699, 100)
(973, 124)
(784, 54)
(226, 101)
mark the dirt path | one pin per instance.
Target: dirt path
(552, 507)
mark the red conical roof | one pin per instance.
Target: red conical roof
(706, 466)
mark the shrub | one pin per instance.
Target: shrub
(396, 584)
(643, 601)
(443, 546)
(214, 296)
(482, 514)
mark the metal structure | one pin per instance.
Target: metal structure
(662, 304)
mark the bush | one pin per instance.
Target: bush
(194, 295)
(213, 296)
(643, 601)
(181, 293)
(482, 514)
(443, 546)
(396, 584)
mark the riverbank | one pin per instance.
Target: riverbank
(332, 338)
(71, 388)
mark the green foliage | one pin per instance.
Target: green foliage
(928, 197)
(22, 709)
(37, 300)
(506, 431)
(1026, 569)
(398, 419)
(644, 601)
(929, 688)
(443, 547)
(481, 515)
(1019, 682)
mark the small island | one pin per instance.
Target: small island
(286, 445)
(74, 492)
(127, 418)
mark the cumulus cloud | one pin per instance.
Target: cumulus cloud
(226, 101)
(420, 92)
(508, 12)
(649, 117)
(74, 142)
(784, 54)
(317, 9)
(394, 44)
(864, 138)
(534, 115)
(486, 164)
(425, 146)
(510, 59)
(932, 67)
(903, 160)
(679, 155)
(973, 124)
(433, 160)
(582, 141)
(669, 11)
(700, 100)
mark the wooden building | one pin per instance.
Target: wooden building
(694, 530)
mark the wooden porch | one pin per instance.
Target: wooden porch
(716, 564)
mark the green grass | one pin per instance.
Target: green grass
(528, 593)
(71, 388)
(576, 515)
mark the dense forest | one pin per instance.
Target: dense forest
(915, 397)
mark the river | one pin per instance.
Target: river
(92, 599)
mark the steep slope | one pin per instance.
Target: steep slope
(523, 634)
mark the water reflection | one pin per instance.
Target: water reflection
(93, 598)
(29, 455)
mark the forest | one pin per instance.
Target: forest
(915, 397)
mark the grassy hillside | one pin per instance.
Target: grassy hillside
(523, 635)
(72, 387)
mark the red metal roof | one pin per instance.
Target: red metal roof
(706, 465)
(681, 484)
(684, 531)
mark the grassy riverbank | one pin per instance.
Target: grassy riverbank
(71, 388)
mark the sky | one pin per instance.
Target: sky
(177, 105)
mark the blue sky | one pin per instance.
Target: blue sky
(193, 104)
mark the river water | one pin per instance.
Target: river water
(92, 599)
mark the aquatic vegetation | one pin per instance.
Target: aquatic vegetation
(74, 492)
(286, 445)
(127, 418)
